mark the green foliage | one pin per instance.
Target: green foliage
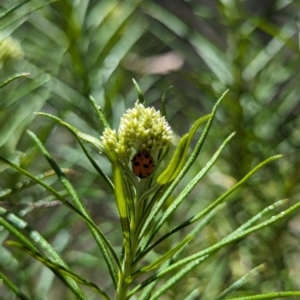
(184, 232)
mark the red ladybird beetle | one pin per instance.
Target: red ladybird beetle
(142, 164)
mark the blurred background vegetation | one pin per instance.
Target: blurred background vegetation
(73, 49)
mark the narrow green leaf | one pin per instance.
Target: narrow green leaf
(16, 76)
(163, 100)
(13, 287)
(240, 282)
(139, 92)
(119, 45)
(87, 220)
(25, 241)
(146, 293)
(165, 256)
(37, 239)
(268, 52)
(99, 112)
(54, 193)
(211, 55)
(175, 204)
(104, 245)
(156, 190)
(58, 268)
(241, 228)
(20, 186)
(179, 157)
(275, 295)
(86, 137)
(236, 186)
(16, 232)
(121, 199)
(191, 221)
(195, 232)
(254, 219)
(79, 135)
(46, 202)
(12, 9)
(226, 241)
(47, 187)
(161, 273)
(194, 295)
(186, 167)
(204, 254)
(174, 279)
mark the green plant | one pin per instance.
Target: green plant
(143, 209)
(53, 54)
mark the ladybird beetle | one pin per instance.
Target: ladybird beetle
(142, 164)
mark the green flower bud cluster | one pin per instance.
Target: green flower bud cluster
(140, 128)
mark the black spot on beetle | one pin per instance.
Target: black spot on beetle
(136, 163)
(146, 166)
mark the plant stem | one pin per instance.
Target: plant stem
(128, 267)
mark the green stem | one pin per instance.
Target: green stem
(126, 271)
(128, 267)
